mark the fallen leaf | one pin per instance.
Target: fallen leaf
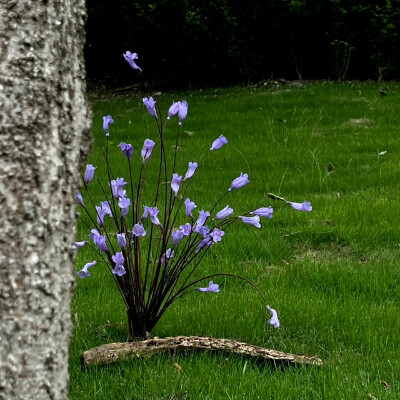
(385, 385)
(177, 367)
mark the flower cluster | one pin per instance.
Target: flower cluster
(151, 280)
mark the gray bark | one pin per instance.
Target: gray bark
(44, 136)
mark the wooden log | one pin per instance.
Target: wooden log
(111, 353)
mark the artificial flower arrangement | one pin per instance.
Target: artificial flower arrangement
(153, 261)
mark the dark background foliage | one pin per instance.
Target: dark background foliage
(192, 43)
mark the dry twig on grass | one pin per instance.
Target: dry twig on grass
(110, 353)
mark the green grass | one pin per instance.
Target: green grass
(333, 274)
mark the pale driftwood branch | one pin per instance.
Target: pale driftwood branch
(110, 353)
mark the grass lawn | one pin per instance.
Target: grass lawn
(333, 274)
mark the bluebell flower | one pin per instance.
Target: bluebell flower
(191, 170)
(182, 111)
(274, 321)
(147, 149)
(217, 234)
(150, 104)
(305, 206)
(106, 124)
(203, 215)
(130, 57)
(151, 212)
(123, 204)
(255, 221)
(138, 230)
(175, 183)
(218, 143)
(173, 110)
(89, 173)
(127, 149)
(117, 187)
(225, 212)
(212, 287)
(177, 236)
(239, 182)
(84, 272)
(79, 199)
(121, 239)
(119, 270)
(190, 206)
(263, 212)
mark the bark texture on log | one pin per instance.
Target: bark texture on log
(44, 136)
(110, 353)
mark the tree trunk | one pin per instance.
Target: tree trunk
(44, 136)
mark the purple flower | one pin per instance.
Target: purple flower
(138, 230)
(183, 110)
(84, 272)
(119, 270)
(186, 229)
(124, 203)
(165, 257)
(102, 211)
(207, 241)
(216, 235)
(305, 206)
(225, 212)
(218, 143)
(263, 212)
(80, 244)
(105, 205)
(127, 149)
(177, 236)
(202, 230)
(203, 215)
(252, 221)
(151, 212)
(117, 187)
(94, 233)
(106, 124)
(240, 181)
(191, 170)
(99, 240)
(274, 321)
(130, 57)
(176, 181)
(100, 215)
(147, 149)
(89, 174)
(173, 110)
(121, 239)
(190, 206)
(118, 258)
(79, 199)
(151, 106)
(212, 287)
